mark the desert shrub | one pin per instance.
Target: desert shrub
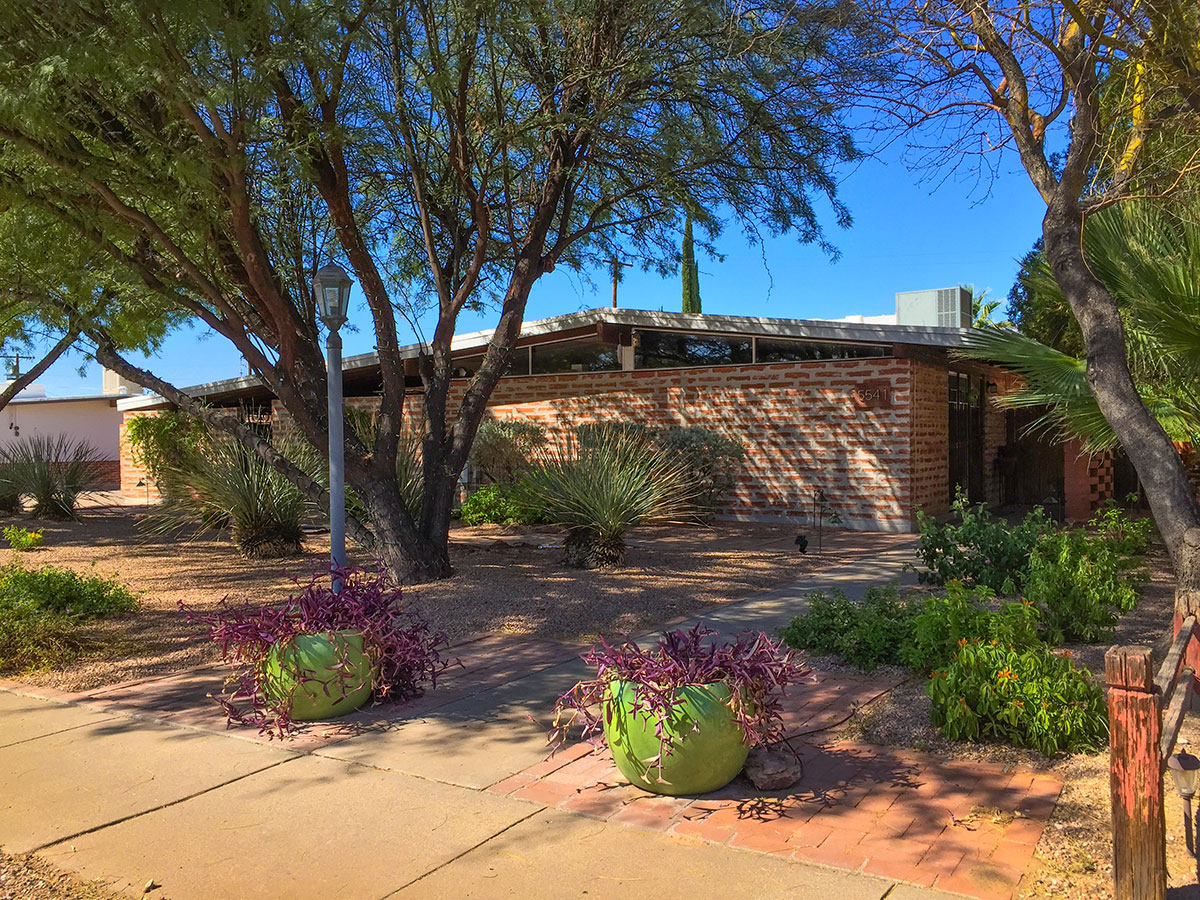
(21, 539)
(53, 471)
(405, 651)
(41, 611)
(223, 484)
(979, 548)
(866, 633)
(966, 614)
(502, 449)
(491, 504)
(1026, 697)
(601, 488)
(1081, 585)
(712, 461)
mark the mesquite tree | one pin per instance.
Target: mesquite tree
(449, 152)
(1100, 102)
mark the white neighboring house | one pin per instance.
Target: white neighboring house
(91, 417)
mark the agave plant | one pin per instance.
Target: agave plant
(222, 484)
(601, 488)
(1149, 259)
(54, 471)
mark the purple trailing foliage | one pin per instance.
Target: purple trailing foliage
(756, 668)
(406, 653)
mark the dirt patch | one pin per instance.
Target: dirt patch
(27, 877)
(1073, 860)
(508, 581)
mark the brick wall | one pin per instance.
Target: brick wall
(131, 472)
(930, 438)
(1087, 481)
(110, 473)
(804, 427)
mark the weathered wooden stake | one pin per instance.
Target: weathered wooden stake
(1139, 824)
(1187, 603)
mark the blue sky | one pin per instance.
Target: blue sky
(906, 236)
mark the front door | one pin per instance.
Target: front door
(966, 435)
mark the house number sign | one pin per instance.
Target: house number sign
(873, 395)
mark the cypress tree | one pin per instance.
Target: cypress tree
(691, 275)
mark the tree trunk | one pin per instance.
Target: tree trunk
(1147, 445)
(412, 556)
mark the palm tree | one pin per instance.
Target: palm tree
(982, 309)
(1149, 259)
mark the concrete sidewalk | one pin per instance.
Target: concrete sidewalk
(397, 809)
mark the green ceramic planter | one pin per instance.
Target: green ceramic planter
(702, 760)
(325, 693)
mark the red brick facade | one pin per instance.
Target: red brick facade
(871, 434)
(868, 433)
(1087, 481)
(131, 471)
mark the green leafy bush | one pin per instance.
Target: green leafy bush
(712, 461)
(866, 633)
(491, 504)
(502, 449)
(161, 440)
(22, 538)
(41, 611)
(979, 548)
(601, 488)
(1026, 697)
(1126, 536)
(53, 471)
(1081, 585)
(966, 614)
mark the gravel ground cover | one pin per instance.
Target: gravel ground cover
(29, 877)
(509, 580)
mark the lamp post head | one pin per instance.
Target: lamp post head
(1185, 772)
(332, 285)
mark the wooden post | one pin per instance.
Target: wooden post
(1136, 769)
(1187, 603)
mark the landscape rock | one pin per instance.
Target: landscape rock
(772, 769)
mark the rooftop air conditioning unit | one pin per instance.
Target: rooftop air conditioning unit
(938, 308)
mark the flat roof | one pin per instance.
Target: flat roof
(77, 399)
(758, 326)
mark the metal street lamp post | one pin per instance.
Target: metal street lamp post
(332, 288)
(1185, 772)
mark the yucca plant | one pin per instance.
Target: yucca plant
(223, 484)
(10, 496)
(54, 471)
(601, 488)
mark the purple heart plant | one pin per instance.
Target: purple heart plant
(405, 652)
(757, 669)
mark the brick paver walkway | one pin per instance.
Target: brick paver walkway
(966, 827)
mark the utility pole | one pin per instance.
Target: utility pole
(15, 372)
(617, 266)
